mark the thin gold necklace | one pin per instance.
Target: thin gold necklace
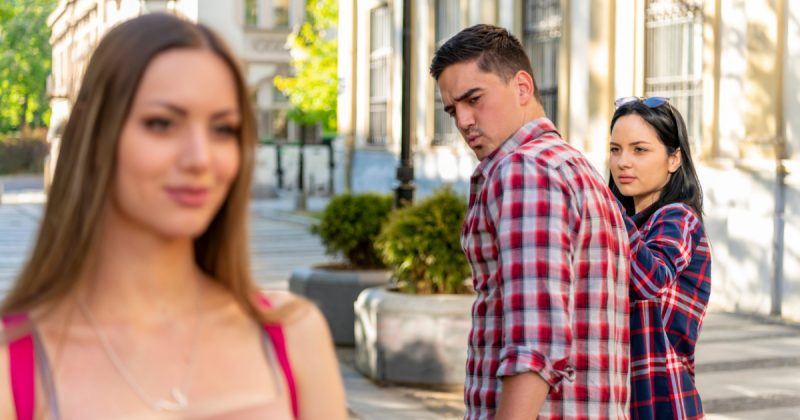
(180, 402)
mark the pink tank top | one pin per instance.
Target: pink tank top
(22, 365)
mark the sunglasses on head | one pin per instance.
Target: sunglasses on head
(653, 102)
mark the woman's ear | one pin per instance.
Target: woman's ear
(675, 161)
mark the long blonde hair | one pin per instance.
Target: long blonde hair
(87, 164)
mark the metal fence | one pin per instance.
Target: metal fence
(448, 23)
(674, 58)
(380, 53)
(542, 38)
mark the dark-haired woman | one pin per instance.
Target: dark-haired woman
(654, 178)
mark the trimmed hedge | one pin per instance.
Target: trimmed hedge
(22, 155)
(350, 225)
(422, 243)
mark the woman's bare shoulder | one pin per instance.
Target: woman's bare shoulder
(305, 316)
(312, 357)
(6, 397)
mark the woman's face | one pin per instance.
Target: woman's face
(179, 149)
(639, 161)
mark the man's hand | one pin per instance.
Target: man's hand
(522, 396)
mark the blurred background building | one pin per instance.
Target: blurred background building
(257, 30)
(730, 67)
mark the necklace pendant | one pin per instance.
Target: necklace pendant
(180, 403)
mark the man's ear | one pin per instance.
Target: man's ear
(524, 84)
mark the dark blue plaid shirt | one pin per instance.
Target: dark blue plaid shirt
(670, 284)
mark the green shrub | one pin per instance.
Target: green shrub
(22, 155)
(350, 225)
(422, 243)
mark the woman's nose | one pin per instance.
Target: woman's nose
(196, 153)
(623, 161)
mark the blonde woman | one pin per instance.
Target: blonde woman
(137, 301)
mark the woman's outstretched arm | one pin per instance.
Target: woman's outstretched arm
(659, 258)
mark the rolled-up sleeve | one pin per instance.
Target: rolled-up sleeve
(531, 209)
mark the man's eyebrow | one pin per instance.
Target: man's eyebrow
(460, 98)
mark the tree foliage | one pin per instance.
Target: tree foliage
(25, 56)
(314, 88)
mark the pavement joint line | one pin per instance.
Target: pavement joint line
(751, 364)
(739, 404)
(755, 337)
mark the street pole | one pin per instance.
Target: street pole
(404, 193)
(300, 198)
(780, 222)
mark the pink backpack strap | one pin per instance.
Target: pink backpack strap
(275, 333)
(22, 368)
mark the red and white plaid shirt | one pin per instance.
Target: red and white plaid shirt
(549, 256)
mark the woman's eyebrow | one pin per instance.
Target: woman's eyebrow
(224, 113)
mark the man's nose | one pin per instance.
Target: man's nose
(465, 118)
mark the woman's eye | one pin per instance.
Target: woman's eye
(639, 149)
(227, 130)
(158, 124)
(614, 150)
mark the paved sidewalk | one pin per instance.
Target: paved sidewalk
(747, 367)
(277, 247)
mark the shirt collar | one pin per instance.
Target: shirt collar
(528, 133)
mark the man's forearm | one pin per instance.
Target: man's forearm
(522, 396)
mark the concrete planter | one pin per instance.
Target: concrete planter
(335, 291)
(412, 339)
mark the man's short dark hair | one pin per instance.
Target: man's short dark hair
(496, 51)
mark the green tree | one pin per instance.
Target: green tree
(314, 88)
(25, 56)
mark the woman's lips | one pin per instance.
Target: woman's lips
(626, 179)
(188, 196)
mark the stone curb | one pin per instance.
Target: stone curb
(367, 401)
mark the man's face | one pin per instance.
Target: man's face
(486, 110)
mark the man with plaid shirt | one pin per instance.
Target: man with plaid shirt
(547, 246)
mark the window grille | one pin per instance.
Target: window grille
(674, 58)
(448, 23)
(380, 53)
(542, 38)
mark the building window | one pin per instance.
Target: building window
(280, 13)
(274, 124)
(674, 58)
(542, 38)
(380, 52)
(251, 12)
(448, 23)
